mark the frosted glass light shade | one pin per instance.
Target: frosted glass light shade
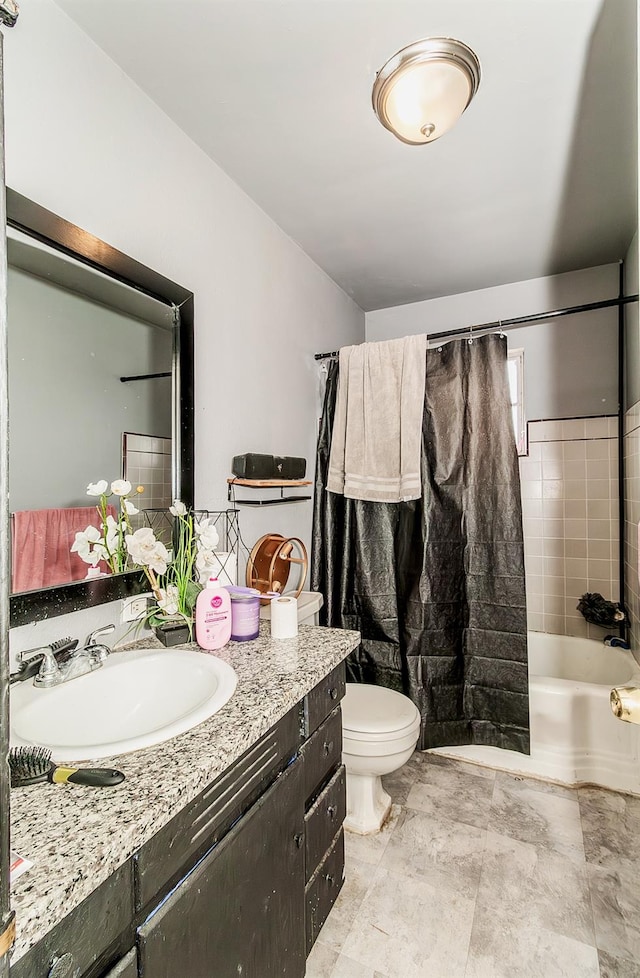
(421, 92)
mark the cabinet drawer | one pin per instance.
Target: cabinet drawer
(127, 967)
(179, 844)
(322, 699)
(322, 890)
(240, 910)
(87, 932)
(321, 754)
(323, 820)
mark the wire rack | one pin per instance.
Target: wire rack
(224, 520)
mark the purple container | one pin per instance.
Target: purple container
(245, 613)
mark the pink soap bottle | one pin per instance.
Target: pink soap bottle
(213, 616)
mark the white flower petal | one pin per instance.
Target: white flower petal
(178, 508)
(129, 508)
(121, 487)
(146, 551)
(97, 488)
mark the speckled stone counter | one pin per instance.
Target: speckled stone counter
(77, 836)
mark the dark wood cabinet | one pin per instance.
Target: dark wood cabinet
(241, 910)
(239, 882)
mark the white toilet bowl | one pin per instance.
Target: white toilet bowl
(379, 734)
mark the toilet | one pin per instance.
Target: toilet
(380, 730)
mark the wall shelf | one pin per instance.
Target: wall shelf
(280, 484)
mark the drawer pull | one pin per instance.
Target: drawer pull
(331, 811)
(298, 839)
(327, 748)
(333, 692)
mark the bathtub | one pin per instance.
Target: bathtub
(575, 737)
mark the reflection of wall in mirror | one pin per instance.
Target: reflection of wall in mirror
(68, 407)
(147, 463)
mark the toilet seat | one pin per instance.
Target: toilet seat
(377, 721)
(376, 713)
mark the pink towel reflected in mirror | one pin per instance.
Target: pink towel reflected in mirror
(41, 546)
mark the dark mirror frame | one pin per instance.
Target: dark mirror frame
(46, 227)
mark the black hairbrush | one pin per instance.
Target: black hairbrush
(30, 765)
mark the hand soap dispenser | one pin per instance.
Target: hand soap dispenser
(213, 616)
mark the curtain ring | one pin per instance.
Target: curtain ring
(502, 332)
(470, 340)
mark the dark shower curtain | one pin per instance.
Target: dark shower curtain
(436, 585)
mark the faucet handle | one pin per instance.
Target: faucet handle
(49, 674)
(105, 630)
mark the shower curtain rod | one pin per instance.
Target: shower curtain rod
(502, 325)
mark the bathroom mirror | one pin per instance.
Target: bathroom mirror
(100, 387)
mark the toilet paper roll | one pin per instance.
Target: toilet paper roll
(224, 567)
(284, 617)
(625, 703)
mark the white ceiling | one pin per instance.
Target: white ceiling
(539, 176)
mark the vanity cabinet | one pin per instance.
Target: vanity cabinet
(239, 882)
(80, 944)
(241, 909)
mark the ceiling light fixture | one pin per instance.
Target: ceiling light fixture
(422, 91)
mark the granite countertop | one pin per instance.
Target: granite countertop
(77, 836)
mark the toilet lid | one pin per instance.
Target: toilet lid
(376, 709)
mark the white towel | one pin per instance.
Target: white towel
(377, 428)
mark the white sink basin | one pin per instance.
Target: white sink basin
(136, 699)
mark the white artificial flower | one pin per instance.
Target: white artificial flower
(97, 488)
(206, 562)
(168, 600)
(129, 508)
(146, 551)
(87, 545)
(121, 487)
(207, 535)
(112, 534)
(178, 508)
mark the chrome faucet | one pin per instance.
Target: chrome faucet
(79, 662)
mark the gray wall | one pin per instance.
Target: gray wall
(570, 363)
(68, 408)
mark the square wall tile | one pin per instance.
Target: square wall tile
(596, 427)
(573, 429)
(597, 449)
(552, 450)
(576, 549)
(575, 509)
(553, 546)
(552, 509)
(574, 451)
(600, 468)
(575, 587)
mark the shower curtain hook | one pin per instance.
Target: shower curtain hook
(470, 340)
(502, 332)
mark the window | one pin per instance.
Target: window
(515, 368)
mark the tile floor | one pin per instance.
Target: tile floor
(481, 874)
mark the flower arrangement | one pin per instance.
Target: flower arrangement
(107, 543)
(173, 581)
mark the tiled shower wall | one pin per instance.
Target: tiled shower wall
(147, 462)
(571, 527)
(632, 518)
